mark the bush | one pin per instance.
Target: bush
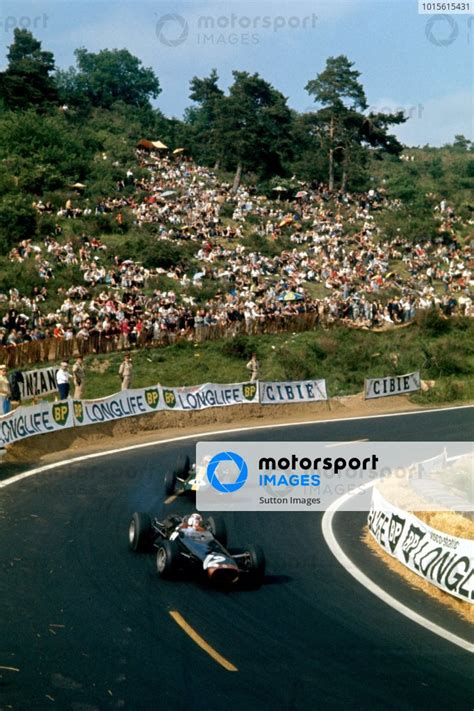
(240, 347)
(296, 364)
(23, 276)
(227, 210)
(17, 221)
(433, 323)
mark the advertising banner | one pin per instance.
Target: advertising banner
(37, 419)
(441, 559)
(275, 393)
(126, 403)
(38, 382)
(392, 385)
(200, 397)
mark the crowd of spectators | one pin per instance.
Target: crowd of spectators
(334, 263)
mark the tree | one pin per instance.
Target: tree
(344, 127)
(338, 90)
(461, 143)
(309, 162)
(203, 119)
(17, 221)
(27, 81)
(108, 76)
(44, 152)
(254, 127)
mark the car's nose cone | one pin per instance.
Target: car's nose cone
(224, 574)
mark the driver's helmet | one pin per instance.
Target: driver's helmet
(195, 520)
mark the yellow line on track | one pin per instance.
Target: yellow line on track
(179, 619)
(170, 499)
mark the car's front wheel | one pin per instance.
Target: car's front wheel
(167, 559)
(183, 468)
(170, 483)
(139, 532)
(257, 564)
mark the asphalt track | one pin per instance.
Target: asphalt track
(85, 624)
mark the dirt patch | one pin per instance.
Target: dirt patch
(463, 609)
(162, 425)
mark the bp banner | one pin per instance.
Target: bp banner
(126, 403)
(274, 393)
(392, 385)
(36, 419)
(443, 560)
(38, 382)
(200, 397)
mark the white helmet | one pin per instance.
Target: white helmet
(195, 520)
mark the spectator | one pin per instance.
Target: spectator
(5, 391)
(15, 379)
(254, 366)
(62, 379)
(78, 374)
(125, 371)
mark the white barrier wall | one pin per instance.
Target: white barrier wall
(440, 559)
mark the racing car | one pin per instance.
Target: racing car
(185, 478)
(189, 543)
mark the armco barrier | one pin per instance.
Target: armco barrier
(438, 558)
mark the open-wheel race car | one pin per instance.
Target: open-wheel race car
(185, 478)
(190, 544)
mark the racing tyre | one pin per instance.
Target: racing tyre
(170, 483)
(182, 470)
(218, 529)
(167, 559)
(257, 565)
(139, 532)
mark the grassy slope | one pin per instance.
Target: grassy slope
(343, 356)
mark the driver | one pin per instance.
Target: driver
(192, 525)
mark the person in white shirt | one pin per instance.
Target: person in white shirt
(62, 379)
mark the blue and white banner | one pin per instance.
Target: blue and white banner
(200, 397)
(37, 419)
(126, 403)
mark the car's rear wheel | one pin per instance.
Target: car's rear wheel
(167, 559)
(218, 529)
(256, 565)
(170, 483)
(139, 532)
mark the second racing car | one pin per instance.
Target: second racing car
(185, 478)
